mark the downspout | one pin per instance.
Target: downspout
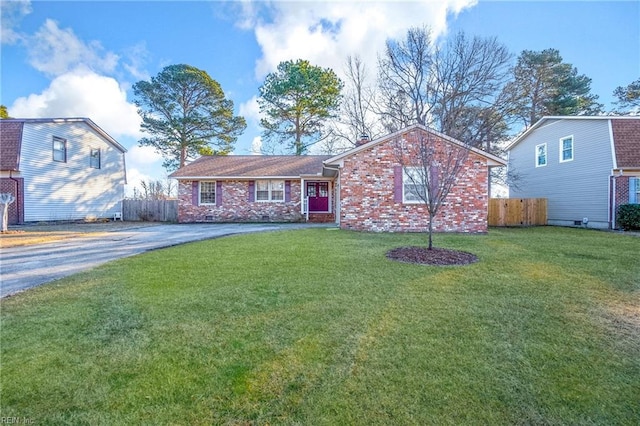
(337, 202)
(18, 206)
(612, 210)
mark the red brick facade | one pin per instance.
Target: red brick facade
(234, 205)
(363, 196)
(621, 191)
(367, 196)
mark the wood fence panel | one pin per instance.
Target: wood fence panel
(517, 211)
(150, 210)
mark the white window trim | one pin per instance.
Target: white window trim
(202, 203)
(270, 191)
(405, 180)
(546, 155)
(561, 148)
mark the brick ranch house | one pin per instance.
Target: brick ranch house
(365, 188)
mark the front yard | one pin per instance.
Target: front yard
(318, 327)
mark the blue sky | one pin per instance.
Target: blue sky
(81, 58)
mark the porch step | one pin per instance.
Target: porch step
(322, 217)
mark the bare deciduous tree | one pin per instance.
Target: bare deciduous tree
(405, 80)
(431, 168)
(469, 76)
(455, 88)
(155, 190)
(357, 115)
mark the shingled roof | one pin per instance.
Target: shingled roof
(626, 139)
(10, 144)
(252, 166)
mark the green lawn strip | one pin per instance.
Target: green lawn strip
(318, 327)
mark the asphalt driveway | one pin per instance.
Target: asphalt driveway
(25, 267)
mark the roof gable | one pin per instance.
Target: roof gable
(578, 118)
(626, 142)
(493, 160)
(10, 144)
(97, 129)
(252, 166)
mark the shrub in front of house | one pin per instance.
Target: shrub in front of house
(629, 216)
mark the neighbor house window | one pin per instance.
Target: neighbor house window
(207, 192)
(59, 149)
(413, 185)
(94, 158)
(566, 149)
(541, 155)
(269, 190)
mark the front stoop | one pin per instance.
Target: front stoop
(322, 217)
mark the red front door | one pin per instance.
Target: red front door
(318, 193)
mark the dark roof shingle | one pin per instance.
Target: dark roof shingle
(626, 137)
(10, 144)
(252, 166)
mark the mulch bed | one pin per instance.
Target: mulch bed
(435, 256)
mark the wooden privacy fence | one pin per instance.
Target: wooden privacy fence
(150, 210)
(517, 211)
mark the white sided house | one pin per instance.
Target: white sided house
(584, 166)
(60, 169)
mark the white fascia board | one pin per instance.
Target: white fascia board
(236, 177)
(613, 147)
(338, 160)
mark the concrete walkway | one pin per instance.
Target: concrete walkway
(25, 267)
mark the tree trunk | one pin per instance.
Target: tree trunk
(430, 231)
(5, 217)
(5, 200)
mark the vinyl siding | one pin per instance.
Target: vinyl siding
(69, 190)
(574, 189)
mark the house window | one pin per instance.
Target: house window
(94, 158)
(207, 192)
(270, 190)
(413, 185)
(541, 155)
(566, 149)
(59, 149)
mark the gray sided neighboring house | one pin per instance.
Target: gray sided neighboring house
(60, 169)
(584, 166)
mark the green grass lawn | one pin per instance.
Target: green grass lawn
(317, 327)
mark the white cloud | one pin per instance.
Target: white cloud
(143, 155)
(83, 93)
(325, 33)
(250, 110)
(55, 51)
(11, 13)
(136, 58)
(256, 146)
